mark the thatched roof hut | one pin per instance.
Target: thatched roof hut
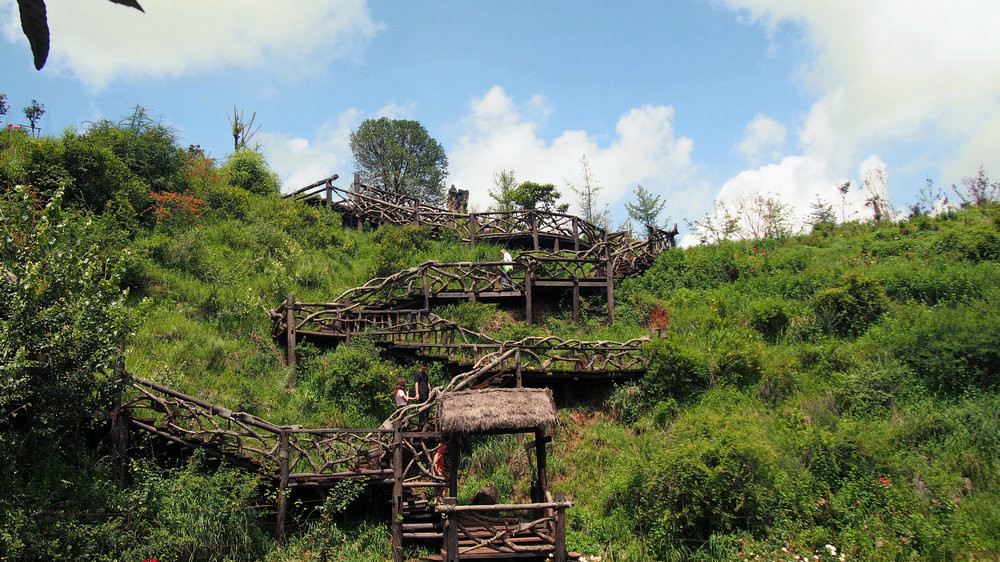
(493, 410)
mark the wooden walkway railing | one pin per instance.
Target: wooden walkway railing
(555, 231)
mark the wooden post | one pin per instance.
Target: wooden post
(576, 235)
(119, 420)
(290, 341)
(517, 359)
(282, 485)
(451, 531)
(472, 229)
(397, 492)
(427, 296)
(576, 301)
(610, 280)
(329, 194)
(534, 229)
(560, 531)
(453, 461)
(529, 313)
(542, 482)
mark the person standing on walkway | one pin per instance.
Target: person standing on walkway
(507, 269)
(422, 388)
(422, 384)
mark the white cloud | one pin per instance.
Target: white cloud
(99, 41)
(799, 182)
(498, 134)
(764, 137)
(895, 70)
(300, 162)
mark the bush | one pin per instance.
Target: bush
(355, 378)
(769, 317)
(397, 246)
(849, 309)
(625, 403)
(951, 350)
(675, 371)
(248, 170)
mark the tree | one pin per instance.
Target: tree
(400, 155)
(647, 207)
(504, 183)
(4, 106)
(536, 196)
(62, 318)
(822, 212)
(587, 195)
(35, 25)
(978, 190)
(243, 130)
(33, 112)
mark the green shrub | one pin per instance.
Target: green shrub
(675, 371)
(849, 309)
(248, 170)
(951, 350)
(625, 403)
(146, 147)
(355, 378)
(397, 247)
(769, 317)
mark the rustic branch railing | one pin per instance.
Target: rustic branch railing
(566, 232)
(481, 529)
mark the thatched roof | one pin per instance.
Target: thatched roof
(496, 409)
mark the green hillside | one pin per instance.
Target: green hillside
(837, 388)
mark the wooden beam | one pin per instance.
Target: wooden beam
(282, 486)
(397, 492)
(290, 341)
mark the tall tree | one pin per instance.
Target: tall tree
(504, 183)
(530, 195)
(647, 207)
(33, 112)
(4, 106)
(400, 155)
(587, 192)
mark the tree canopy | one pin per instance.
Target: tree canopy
(402, 156)
(530, 195)
(647, 207)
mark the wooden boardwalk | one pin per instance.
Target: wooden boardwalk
(395, 312)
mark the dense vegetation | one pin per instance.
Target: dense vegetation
(838, 388)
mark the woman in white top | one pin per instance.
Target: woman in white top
(400, 394)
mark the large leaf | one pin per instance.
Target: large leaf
(36, 29)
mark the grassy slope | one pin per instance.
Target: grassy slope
(785, 393)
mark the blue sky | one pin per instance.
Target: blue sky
(694, 99)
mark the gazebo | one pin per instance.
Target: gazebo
(501, 531)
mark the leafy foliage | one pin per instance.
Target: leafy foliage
(401, 156)
(62, 318)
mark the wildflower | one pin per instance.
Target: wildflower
(958, 501)
(832, 549)
(904, 539)
(934, 502)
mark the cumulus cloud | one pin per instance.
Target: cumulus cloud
(100, 41)
(799, 182)
(894, 70)
(764, 137)
(499, 134)
(300, 162)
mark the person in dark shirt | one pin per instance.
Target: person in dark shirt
(421, 383)
(422, 386)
